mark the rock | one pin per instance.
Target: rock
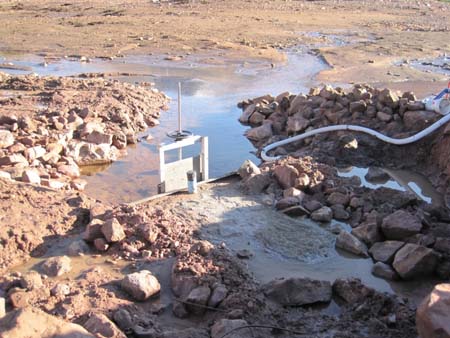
(298, 291)
(141, 285)
(442, 245)
(244, 254)
(368, 232)
(286, 203)
(385, 251)
(93, 230)
(260, 133)
(432, 315)
(34, 152)
(312, 205)
(99, 138)
(375, 174)
(57, 266)
(247, 169)
(202, 248)
(101, 244)
(5, 175)
(358, 106)
(351, 290)
(323, 214)
(245, 117)
(302, 181)
(6, 139)
(185, 333)
(420, 119)
(384, 271)
(54, 184)
(2, 309)
(400, 225)
(415, 105)
(384, 117)
(78, 184)
(113, 231)
(197, 299)
(224, 326)
(90, 153)
(31, 322)
(60, 290)
(256, 184)
(31, 176)
(338, 198)
(99, 325)
(414, 260)
(31, 280)
(296, 124)
(13, 159)
(285, 175)
(293, 192)
(350, 243)
(70, 170)
(218, 295)
(123, 319)
(179, 310)
(295, 211)
(256, 118)
(77, 248)
(389, 98)
(339, 212)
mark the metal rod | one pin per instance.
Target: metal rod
(179, 107)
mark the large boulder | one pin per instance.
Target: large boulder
(350, 243)
(298, 291)
(400, 225)
(31, 322)
(141, 285)
(432, 317)
(414, 260)
(385, 251)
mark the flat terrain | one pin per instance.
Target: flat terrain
(380, 32)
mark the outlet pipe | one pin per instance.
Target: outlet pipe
(396, 141)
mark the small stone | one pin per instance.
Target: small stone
(224, 326)
(179, 310)
(247, 169)
(6, 139)
(57, 266)
(77, 248)
(60, 290)
(31, 280)
(339, 212)
(384, 271)
(375, 175)
(101, 244)
(244, 254)
(384, 117)
(70, 170)
(141, 285)
(351, 290)
(93, 230)
(2, 307)
(368, 232)
(286, 175)
(31, 176)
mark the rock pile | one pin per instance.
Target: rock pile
(274, 118)
(50, 126)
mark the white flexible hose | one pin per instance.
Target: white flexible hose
(378, 135)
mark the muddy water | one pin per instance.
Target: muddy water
(211, 89)
(402, 180)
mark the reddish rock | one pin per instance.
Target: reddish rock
(113, 230)
(70, 170)
(100, 325)
(432, 317)
(93, 230)
(385, 251)
(31, 176)
(400, 225)
(286, 175)
(414, 260)
(141, 285)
